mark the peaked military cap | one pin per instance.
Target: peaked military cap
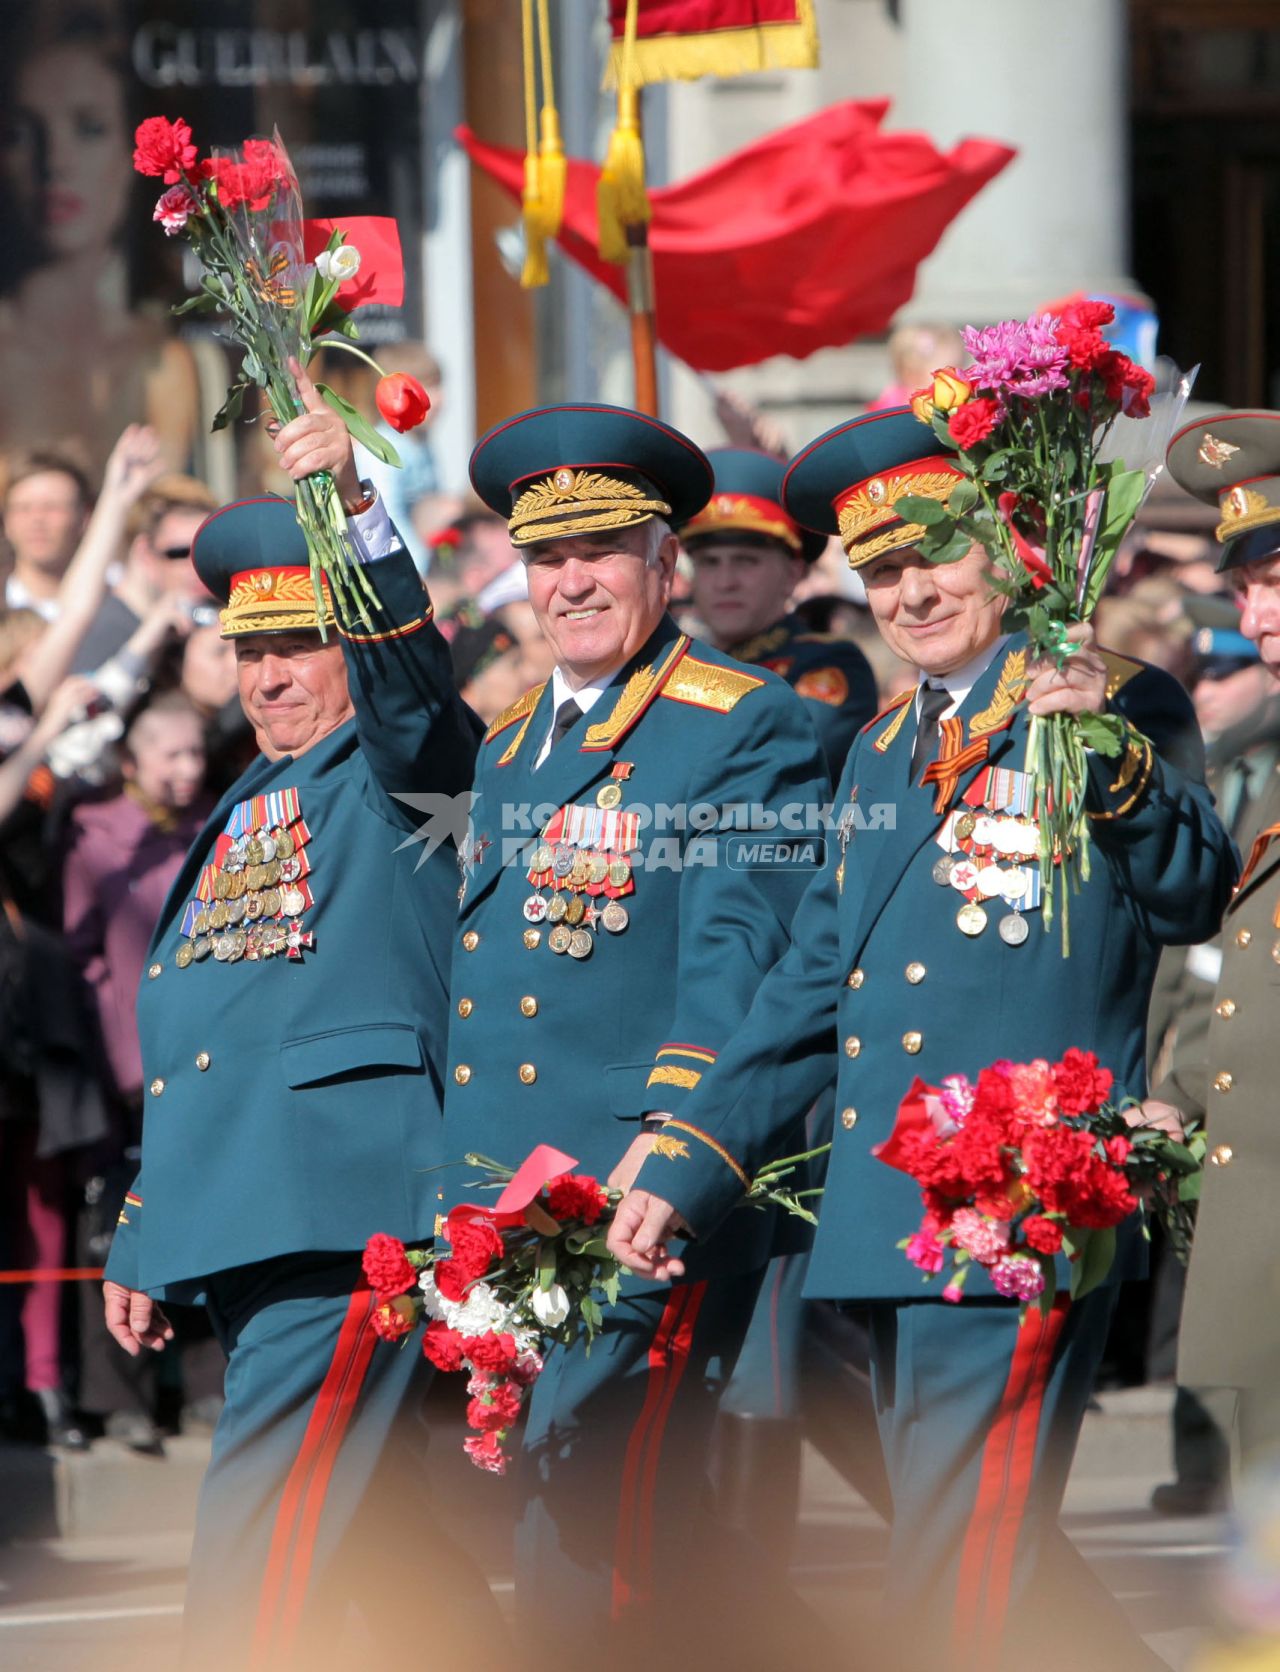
(1219, 646)
(1232, 460)
(254, 557)
(849, 481)
(748, 500)
(565, 470)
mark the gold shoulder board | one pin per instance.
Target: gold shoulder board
(705, 685)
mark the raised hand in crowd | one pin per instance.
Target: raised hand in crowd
(69, 703)
(136, 462)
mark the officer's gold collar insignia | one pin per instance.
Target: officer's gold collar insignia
(634, 698)
(898, 708)
(1120, 670)
(569, 502)
(706, 685)
(760, 644)
(1011, 687)
(520, 709)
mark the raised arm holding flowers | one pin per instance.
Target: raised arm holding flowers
(241, 210)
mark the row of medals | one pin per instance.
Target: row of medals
(572, 917)
(1011, 838)
(255, 884)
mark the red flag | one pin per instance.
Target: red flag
(683, 39)
(807, 239)
(377, 237)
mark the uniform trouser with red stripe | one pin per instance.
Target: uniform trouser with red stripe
(617, 1545)
(317, 1496)
(979, 1416)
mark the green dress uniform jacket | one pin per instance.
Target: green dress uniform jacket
(292, 1103)
(877, 951)
(548, 1048)
(831, 676)
(1233, 1282)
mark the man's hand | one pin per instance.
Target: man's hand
(1163, 1117)
(136, 462)
(316, 441)
(638, 1235)
(134, 1319)
(1079, 686)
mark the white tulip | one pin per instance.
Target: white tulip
(550, 1306)
(337, 266)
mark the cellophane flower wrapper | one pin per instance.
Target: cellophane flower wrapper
(1060, 439)
(241, 209)
(503, 1286)
(1029, 1161)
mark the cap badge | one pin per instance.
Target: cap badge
(564, 481)
(877, 490)
(1215, 453)
(1240, 502)
(264, 584)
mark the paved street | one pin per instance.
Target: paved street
(107, 1598)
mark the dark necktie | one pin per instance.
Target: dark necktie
(567, 716)
(935, 700)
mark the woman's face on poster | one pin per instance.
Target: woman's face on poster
(66, 150)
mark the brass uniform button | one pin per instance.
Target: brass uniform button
(1243, 936)
(848, 1119)
(157, 1086)
(470, 941)
(532, 938)
(1221, 1155)
(203, 1059)
(154, 971)
(461, 1074)
(465, 1007)
(528, 1005)
(1226, 1008)
(911, 1042)
(528, 1073)
(852, 1045)
(915, 974)
(1223, 1081)
(856, 978)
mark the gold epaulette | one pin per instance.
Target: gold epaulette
(706, 685)
(1120, 670)
(518, 710)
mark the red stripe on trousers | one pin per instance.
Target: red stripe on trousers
(642, 1587)
(660, 1368)
(1008, 1464)
(350, 1339)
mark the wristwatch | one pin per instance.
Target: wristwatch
(366, 502)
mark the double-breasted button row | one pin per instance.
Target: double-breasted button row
(527, 1073)
(203, 1062)
(912, 1043)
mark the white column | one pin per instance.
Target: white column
(1050, 77)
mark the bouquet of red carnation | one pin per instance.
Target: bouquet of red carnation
(1030, 1161)
(516, 1278)
(241, 211)
(1036, 422)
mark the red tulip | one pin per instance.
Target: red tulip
(402, 401)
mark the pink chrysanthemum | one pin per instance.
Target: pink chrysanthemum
(925, 1251)
(1017, 357)
(957, 1097)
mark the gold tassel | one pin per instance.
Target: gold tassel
(621, 197)
(535, 271)
(553, 170)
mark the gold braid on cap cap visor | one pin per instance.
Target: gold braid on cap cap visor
(872, 505)
(579, 502)
(264, 602)
(1245, 508)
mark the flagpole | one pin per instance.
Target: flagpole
(641, 302)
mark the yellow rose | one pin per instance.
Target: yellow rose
(949, 389)
(922, 405)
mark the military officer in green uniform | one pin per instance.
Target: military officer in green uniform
(292, 1018)
(923, 967)
(634, 864)
(748, 556)
(1229, 1342)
